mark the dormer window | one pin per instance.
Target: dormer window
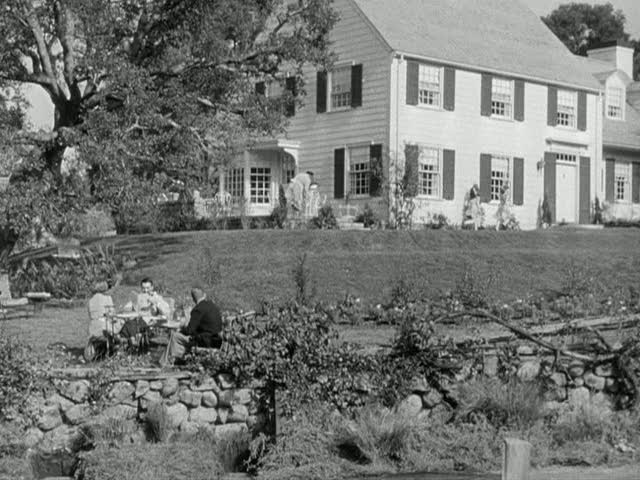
(567, 108)
(615, 102)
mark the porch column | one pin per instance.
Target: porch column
(247, 177)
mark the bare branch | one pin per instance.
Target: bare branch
(43, 51)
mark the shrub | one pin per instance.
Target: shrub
(279, 214)
(326, 219)
(94, 223)
(368, 217)
(511, 404)
(437, 222)
(473, 288)
(18, 377)
(157, 423)
(301, 274)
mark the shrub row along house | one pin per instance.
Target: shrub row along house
(482, 93)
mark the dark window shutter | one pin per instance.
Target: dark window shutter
(552, 106)
(411, 169)
(376, 176)
(485, 177)
(261, 88)
(582, 111)
(585, 191)
(356, 86)
(518, 113)
(448, 174)
(610, 180)
(321, 92)
(518, 181)
(449, 101)
(338, 173)
(485, 95)
(635, 183)
(291, 87)
(413, 73)
(550, 183)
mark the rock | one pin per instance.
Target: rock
(238, 413)
(579, 397)
(431, 399)
(203, 415)
(362, 384)
(142, 387)
(578, 382)
(553, 406)
(32, 437)
(77, 391)
(121, 391)
(209, 399)
(207, 384)
(155, 385)
(412, 405)
(58, 401)
(525, 350)
(594, 382)
(223, 415)
(576, 369)
(178, 414)
(51, 464)
(190, 428)
(229, 429)
(124, 412)
(226, 398)
(612, 385)
(556, 394)
(148, 398)
(559, 378)
(419, 385)
(490, 365)
(242, 396)
(190, 399)
(77, 414)
(225, 381)
(169, 387)
(49, 419)
(63, 437)
(529, 371)
(441, 413)
(601, 404)
(605, 370)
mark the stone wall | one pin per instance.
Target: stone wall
(192, 403)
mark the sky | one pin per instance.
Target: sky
(631, 9)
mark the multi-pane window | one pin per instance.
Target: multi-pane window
(567, 108)
(429, 85)
(260, 180)
(341, 88)
(566, 157)
(288, 169)
(615, 101)
(234, 183)
(359, 171)
(622, 177)
(499, 176)
(502, 97)
(429, 172)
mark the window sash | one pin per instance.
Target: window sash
(502, 97)
(567, 108)
(359, 171)
(500, 175)
(622, 182)
(614, 102)
(566, 157)
(429, 173)
(234, 183)
(429, 85)
(341, 88)
(260, 181)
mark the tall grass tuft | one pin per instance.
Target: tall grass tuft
(157, 423)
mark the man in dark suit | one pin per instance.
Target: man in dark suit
(203, 329)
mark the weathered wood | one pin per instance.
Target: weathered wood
(516, 463)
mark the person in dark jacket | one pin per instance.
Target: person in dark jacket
(203, 329)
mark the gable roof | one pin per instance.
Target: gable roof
(500, 36)
(602, 70)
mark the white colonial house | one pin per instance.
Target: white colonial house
(482, 88)
(612, 65)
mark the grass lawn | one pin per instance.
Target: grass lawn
(257, 264)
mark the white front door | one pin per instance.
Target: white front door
(566, 193)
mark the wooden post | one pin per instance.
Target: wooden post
(516, 459)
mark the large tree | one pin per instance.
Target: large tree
(580, 26)
(149, 92)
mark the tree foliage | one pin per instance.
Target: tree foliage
(151, 93)
(581, 26)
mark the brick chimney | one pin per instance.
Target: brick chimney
(617, 53)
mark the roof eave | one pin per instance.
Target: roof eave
(476, 68)
(622, 146)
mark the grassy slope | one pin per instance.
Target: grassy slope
(257, 265)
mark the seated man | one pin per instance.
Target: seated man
(203, 329)
(149, 302)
